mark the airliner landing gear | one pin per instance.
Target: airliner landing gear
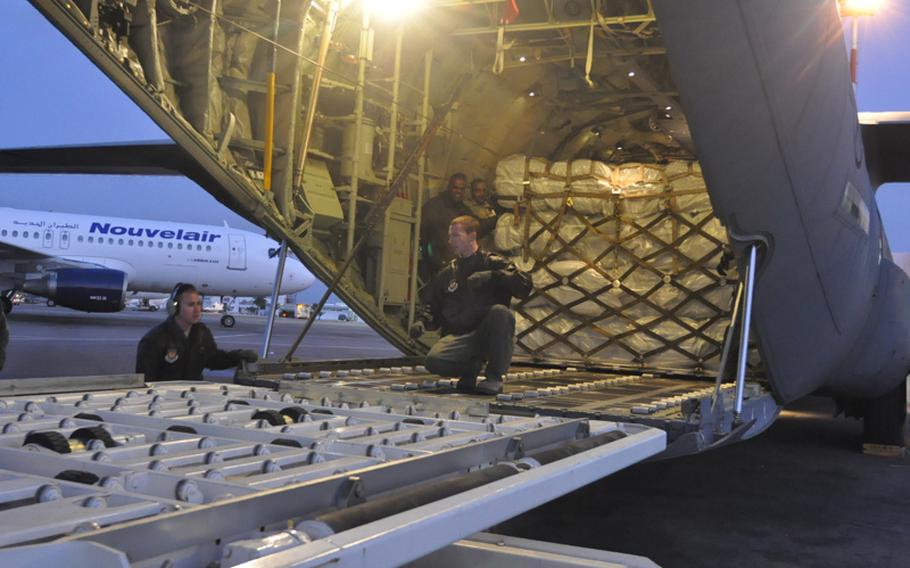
(227, 321)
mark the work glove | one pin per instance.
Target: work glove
(417, 329)
(480, 279)
(248, 355)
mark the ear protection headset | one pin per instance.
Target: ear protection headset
(173, 302)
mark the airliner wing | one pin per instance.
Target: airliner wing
(156, 158)
(17, 263)
(13, 253)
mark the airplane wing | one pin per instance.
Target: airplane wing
(886, 137)
(155, 158)
(17, 263)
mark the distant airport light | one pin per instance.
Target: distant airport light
(853, 8)
(393, 9)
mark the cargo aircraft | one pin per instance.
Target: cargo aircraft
(688, 182)
(92, 262)
(693, 189)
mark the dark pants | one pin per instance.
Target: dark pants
(463, 355)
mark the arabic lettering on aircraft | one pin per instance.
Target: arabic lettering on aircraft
(179, 234)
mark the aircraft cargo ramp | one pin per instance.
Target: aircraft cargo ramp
(201, 474)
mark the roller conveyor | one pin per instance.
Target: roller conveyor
(683, 406)
(189, 474)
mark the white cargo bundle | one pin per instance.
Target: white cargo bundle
(540, 233)
(657, 343)
(514, 173)
(550, 185)
(623, 258)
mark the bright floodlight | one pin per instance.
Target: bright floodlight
(393, 9)
(860, 7)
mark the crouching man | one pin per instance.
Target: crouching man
(182, 346)
(469, 301)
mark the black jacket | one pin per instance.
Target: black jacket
(456, 308)
(4, 336)
(167, 354)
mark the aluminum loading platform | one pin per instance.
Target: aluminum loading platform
(686, 407)
(191, 474)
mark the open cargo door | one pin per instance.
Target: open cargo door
(606, 205)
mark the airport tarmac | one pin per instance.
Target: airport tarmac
(48, 342)
(801, 494)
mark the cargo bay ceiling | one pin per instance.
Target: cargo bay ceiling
(353, 90)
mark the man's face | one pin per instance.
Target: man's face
(479, 192)
(190, 310)
(460, 240)
(456, 190)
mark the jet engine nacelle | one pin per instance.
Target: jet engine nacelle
(84, 289)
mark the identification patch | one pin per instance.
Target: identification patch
(171, 356)
(453, 285)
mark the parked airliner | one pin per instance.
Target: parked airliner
(89, 262)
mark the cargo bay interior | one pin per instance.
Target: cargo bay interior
(302, 120)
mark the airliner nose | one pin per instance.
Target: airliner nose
(296, 276)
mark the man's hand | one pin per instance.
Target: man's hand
(417, 329)
(480, 279)
(248, 355)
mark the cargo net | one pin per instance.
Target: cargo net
(626, 260)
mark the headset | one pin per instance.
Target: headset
(173, 302)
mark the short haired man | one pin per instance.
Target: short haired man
(481, 208)
(469, 300)
(181, 347)
(438, 212)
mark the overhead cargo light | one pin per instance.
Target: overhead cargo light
(856, 9)
(668, 108)
(631, 73)
(852, 8)
(522, 59)
(532, 93)
(393, 9)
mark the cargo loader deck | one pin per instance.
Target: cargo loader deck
(191, 474)
(682, 406)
